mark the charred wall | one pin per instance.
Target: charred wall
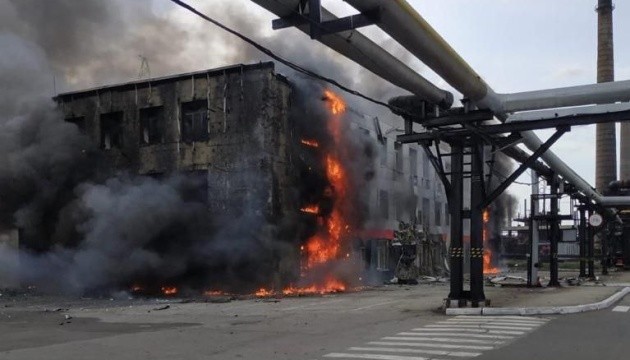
(229, 124)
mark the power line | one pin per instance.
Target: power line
(282, 60)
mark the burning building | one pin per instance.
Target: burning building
(230, 179)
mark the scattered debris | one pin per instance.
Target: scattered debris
(162, 307)
(68, 317)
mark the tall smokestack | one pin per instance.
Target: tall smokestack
(606, 147)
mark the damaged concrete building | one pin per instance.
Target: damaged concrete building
(235, 130)
(227, 124)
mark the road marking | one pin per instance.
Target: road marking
(621, 308)
(478, 336)
(460, 337)
(477, 330)
(500, 317)
(440, 346)
(416, 351)
(374, 305)
(480, 326)
(441, 339)
(510, 322)
(465, 323)
(374, 356)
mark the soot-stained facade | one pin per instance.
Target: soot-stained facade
(228, 126)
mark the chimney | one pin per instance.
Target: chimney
(606, 147)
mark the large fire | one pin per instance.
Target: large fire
(326, 245)
(488, 268)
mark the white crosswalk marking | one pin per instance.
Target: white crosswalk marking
(416, 351)
(442, 339)
(621, 308)
(478, 336)
(460, 337)
(374, 356)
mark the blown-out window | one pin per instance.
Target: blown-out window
(195, 121)
(112, 130)
(152, 125)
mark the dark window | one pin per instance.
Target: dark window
(399, 203)
(383, 203)
(152, 125)
(447, 215)
(425, 211)
(112, 130)
(384, 152)
(79, 121)
(413, 163)
(399, 159)
(195, 121)
(438, 214)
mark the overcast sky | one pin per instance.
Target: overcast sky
(529, 45)
(514, 45)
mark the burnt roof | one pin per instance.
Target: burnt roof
(169, 78)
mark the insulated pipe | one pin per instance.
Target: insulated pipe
(406, 26)
(363, 51)
(603, 93)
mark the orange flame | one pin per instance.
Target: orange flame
(311, 209)
(214, 293)
(488, 268)
(336, 103)
(326, 245)
(331, 285)
(169, 290)
(311, 143)
(262, 292)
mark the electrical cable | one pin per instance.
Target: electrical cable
(282, 60)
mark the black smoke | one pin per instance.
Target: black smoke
(88, 232)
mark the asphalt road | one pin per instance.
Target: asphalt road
(602, 334)
(392, 323)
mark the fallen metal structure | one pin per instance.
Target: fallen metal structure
(466, 129)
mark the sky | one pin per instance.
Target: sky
(514, 45)
(531, 45)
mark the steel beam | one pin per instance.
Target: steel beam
(524, 166)
(554, 228)
(518, 126)
(591, 249)
(582, 239)
(477, 295)
(455, 205)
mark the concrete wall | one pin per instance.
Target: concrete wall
(245, 152)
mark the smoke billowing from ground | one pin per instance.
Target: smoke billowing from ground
(48, 181)
(502, 209)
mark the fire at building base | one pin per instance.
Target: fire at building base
(235, 180)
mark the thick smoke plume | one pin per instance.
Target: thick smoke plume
(89, 233)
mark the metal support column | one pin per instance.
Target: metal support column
(532, 265)
(605, 235)
(456, 204)
(591, 249)
(476, 225)
(582, 239)
(554, 233)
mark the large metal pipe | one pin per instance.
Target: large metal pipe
(358, 48)
(406, 26)
(604, 93)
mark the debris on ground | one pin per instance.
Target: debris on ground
(162, 307)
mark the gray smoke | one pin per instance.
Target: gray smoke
(48, 182)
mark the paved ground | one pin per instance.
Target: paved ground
(387, 323)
